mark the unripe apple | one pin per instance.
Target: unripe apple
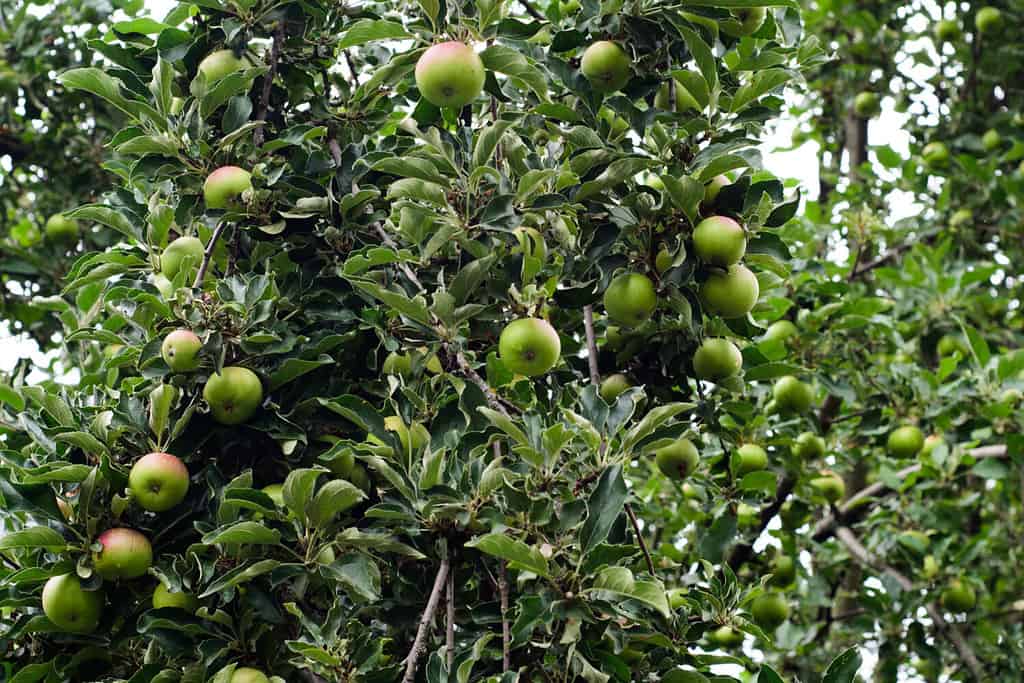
(219, 64)
(234, 394)
(929, 567)
(961, 218)
(180, 350)
(529, 346)
(988, 20)
(60, 228)
(935, 154)
(866, 104)
(606, 65)
(684, 100)
(792, 396)
(769, 610)
(717, 359)
(829, 486)
(750, 20)
(950, 344)
(158, 481)
(809, 446)
(70, 607)
(126, 554)
(677, 460)
(719, 241)
(905, 442)
(630, 299)
(183, 253)
(958, 596)
(731, 294)
(663, 261)
(991, 140)
(750, 458)
(783, 571)
(715, 186)
(450, 74)
(726, 636)
(163, 597)
(780, 330)
(246, 674)
(225, 185)
(613, 386)
(947, 30)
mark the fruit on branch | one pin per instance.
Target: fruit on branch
(126, 554)
(950, 344)
(748, 458)
(769, 610)
(246, 674)
(164, 597)
(234, 394)
(715, 186)
(613, 386)
(717, 359)
(221, 63)
(663, 261)
(930, 442)
(726, 636)
(70, 607)
(450, 74)
(678, 460)
(905, 442)
(791, 395)
(747, 21)
(183, 254)
(991, 140)
(947, 30)
(630, 299)
(60, 228)
(225, 185)
(606, 65)
(719, 241)
(529, 346)
(808, 446)
(684, 100)
(158, 481)
(988, 20)
(180, 350)
(780, 330)
(929, 567)
(732, 293)
(935, 154)
(866, 104)
(958, 596)
(783, 571)
(829, 486)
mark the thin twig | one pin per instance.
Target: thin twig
(532, 11)
(268, 82)
(386, 238)
(449, 623)
(640, 538)
(864, 557)
(588, 325)
(506, 632)
(351, 68)
(208, 255)
(493, 400)
(419, 643)
(742, 553)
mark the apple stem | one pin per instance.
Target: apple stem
(418, 644)
(208, 255)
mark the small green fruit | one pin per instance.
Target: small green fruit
(866, 104)
(184, 253)
(529, 346)
(715, 186)
(69, 606)
(677, 460)
(959, 597)
(991, 140)
(180, 350)
(829, 486)
(717, 359)
(219, 64)
(988, 20)
(731, 294)
(749, 458)
(248, 675)
(750, 20)
(780, 330)
(606, 65)
(905, 442)
(450, 74)
(769, 610)
(719, 241)
(809, 446)
(929, 567)
(234, 395)
(726, 636)
(225, 185)
(783, 571)
(792, 396)
(935, 154)
(947, 30)
(613, 386)
(60, 228)
(630, 299)
(162, 597)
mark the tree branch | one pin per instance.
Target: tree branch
(588, 325)
(449, 623)
(742, 553)
(532, 11)
(640, 538)
(419, 643)
(506, 633)
(208, 255)
(493, 400)
(268, 82)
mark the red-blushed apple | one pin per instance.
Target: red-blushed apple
(747, 21)
(717, 359)
(225, 185)
(234, 394)
(630, 299)
(158, 481)
(529, 346)
(164, 597)
(730, 294)
(792, 396)
(720, 241)
(749, 458)
(60, 228)
(905, 442)
(126, 554)
(769, 610)
(606, 65)
(183, 254)
(450, 74)
(70, 607)
(684, 100)
(613, 386)
(678, 460)
(180, 350)
(221, 63)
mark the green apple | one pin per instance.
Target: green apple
(988, 20)
(158, 481)
(225, 185)
(961, 218)
(246, 674)
(234, 394)
(719, 241)
(905, 442)
(126, 554)
(780, 330)
(184, 253)
(958, 596)
(808, 446)
(769, 610)
(684, 100)
(929, 567)
(221, 63)
(750, 458)
(70, 607)
(529, 346)
(749, 21)
(180, 350)
(866, 104)
(792, 396)
(783, 571)
(663, 261)
(726, 636)
(606, 65)
(947, 30)
(717, 359)
(613, 386)
(60, 228)
(829, 486)
(450, 74)
(935, 154)
(991, 140)
(163, 597)
(630, 299)
(950, 344)
(715, 186)
(730, 294)
(678, 460)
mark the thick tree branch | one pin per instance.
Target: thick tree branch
(268, 82)
(588, 325)
(208, 255)
(449, 622)
(412, 661)
(493, 400)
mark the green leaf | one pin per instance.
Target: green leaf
(603, 507)
(686, 193)
(415, 188)
(108, 217)
(414, 309)
(760, 83)
(617, 172)
(843, 668)
(377, 542)
(515, 552)
(99, 83)
(505, 424)
(53, 404)
(979, 347)
(332, 499)
(768, 675)
(487, 141)
(651, 421)
(161, 400)
(371, 30)
(759, 481)
(430, 9)
(84, 440)
(297, 491)
(703, 55)
(293, 368)
(142, 145)
(240, 575)
(512, 63)
(11, 397)
(33, 537)
(619, 581)
(245, 533)
(411, 167)
(358, 575)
